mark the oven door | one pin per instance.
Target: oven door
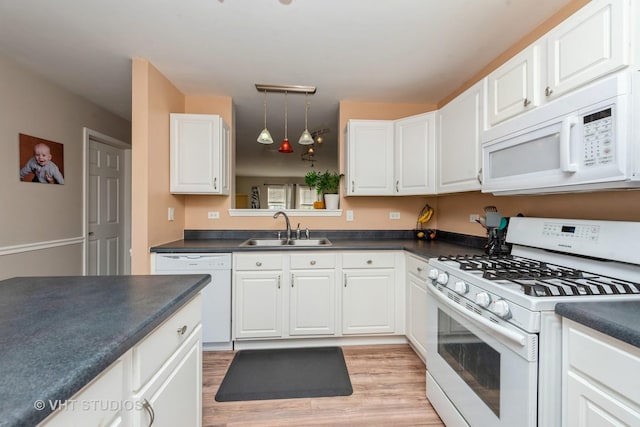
(486, 370)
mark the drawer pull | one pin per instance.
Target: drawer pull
(258, 264)
(419, 269)
(312, 262)
(182, 330)
(527, 102)
(369, 261)
(147, 407)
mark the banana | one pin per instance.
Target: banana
(426, 216)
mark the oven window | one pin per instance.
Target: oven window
(477, 363)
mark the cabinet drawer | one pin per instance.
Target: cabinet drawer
(368, 260)
(417, 266)
(260, 261)
(311, 261)
(153, 351)
(589, 348)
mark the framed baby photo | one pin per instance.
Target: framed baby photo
(41, 161)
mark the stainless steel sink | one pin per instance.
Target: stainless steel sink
(283, 242)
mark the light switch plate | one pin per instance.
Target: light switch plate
(349, 215)
(171, 214)
(213, 215)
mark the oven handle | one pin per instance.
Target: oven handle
(501, 330)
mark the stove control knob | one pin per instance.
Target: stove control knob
(483, 299)
(433, 274)
(461, 287)
(443, 279)
(501, 309)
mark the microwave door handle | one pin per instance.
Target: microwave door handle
(500, 330)
(565, 145)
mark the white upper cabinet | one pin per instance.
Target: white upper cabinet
(588, 45)
(369, 158)
(387, 157)
(415, 150)
(515, 86)
(459, 145)
(591, 43)
(199, 154)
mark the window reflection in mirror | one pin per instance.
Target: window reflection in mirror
(273, 193)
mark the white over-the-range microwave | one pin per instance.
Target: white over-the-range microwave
(587, 140)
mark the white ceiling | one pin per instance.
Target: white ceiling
(409, 51)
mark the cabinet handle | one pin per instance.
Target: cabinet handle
(526, 102)
(548, 91)
(182, 330)
(312, 262)
(345, 280)
(258, 264)
(353, 186)
(397, 185)
(369, 262)
(215, 183)
(278, 281)
(147, 407)
(292, 280)
(479, 176)
(419, 269)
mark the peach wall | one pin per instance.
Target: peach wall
(153, 98)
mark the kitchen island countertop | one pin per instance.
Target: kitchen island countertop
(618, 319)
(58, 333)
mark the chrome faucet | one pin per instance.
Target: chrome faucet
(276, 215)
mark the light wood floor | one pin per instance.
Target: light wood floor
(388, 390)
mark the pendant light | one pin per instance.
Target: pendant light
(265, 135)
(285, 147)
(305, 138)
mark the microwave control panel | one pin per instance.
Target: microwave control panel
(598, 138)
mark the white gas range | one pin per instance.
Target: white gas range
(494, 340)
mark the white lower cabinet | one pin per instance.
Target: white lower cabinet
(417, 304)
(600, 379)
(301, 295)
(368, 293)
(158, 381)
(312, 295)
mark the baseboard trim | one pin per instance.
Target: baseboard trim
(37, 246)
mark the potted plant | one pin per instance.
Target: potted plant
(312, 179)
(329, 184)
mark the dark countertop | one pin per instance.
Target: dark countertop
(618, 319)
(58, 333)
(423, 248)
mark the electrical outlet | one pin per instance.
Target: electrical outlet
(394, 215)
(349, 215)
(213, 215)
(171, 214)
(474, 217)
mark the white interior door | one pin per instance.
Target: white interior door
(105, 209)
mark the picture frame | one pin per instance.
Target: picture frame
(41, 160)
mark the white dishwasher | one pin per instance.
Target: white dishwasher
(216, 296)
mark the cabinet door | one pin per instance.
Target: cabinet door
(368, 300)
(514, 87)
(369, 158)
(258, 304)
(197, 155)
(589, 44)
(417, 314)
(174, 398)
(312, 302)
(459, 146)
(415, 155)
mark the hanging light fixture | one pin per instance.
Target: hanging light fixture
(265, 135)
(305, 138)
(285, 147)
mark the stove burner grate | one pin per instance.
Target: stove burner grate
(539, 279)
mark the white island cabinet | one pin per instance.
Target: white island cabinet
(601, 378)
(159, 380)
